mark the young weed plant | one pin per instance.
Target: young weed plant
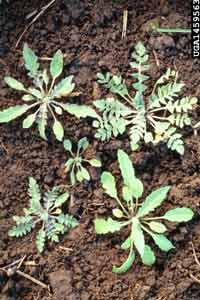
(135, 215)
(151, 116)
(54, 222)
(43, 95)
(74, 165)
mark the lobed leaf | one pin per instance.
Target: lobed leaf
(153, 200)
(31, 61)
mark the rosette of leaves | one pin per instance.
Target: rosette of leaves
(44, 94)
(150, 116)
(74, 164)
(49, 214)
(137, 216)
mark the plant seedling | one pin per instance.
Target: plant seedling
(152, 117)
(54, 222)
(136, 215)
(74, 165)
(43, 95)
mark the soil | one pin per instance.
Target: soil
(79, 267)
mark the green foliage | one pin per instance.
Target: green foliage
(150, 117)
(74, 164)
(135, 215)
(54, 222)
(43, 95)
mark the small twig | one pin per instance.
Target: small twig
(195, 278)
(44, 8)
(125, 23)
(195, 256)
(156, 58)
(66, 249)
(36, 281)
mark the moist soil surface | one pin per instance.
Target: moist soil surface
(80, 266)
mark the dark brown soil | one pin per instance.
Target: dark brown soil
(89, 33)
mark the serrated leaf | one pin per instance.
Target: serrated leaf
(12, 113)
(157, 227)
(14, 84)
(61, 200)
(162, 242)
(179, 214)
(148, 257)
(126, 265)
(137, 236)
(58, 130)
(28, 122)
(80, 111)
(95, 163)
(109, 184)
(67, 145)
(35, 196)
(103, 226)
(56, 66)
(31, 60)
(40, 240)
(152, 201)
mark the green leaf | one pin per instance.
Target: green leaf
(153, 200)
(80, 111)
(40, 240)
(162, 242)
(157, 227)
(68, 164)
(61, 199)
(79, 176)
(148, 257)
(58, 130)
(83, 144)
(56, 66)
(64, 87)
(42, 127)
(28, 122)
(126, 193)
(35, 196)
(67, 145)
(126, 265)
(45, 77)
(118, 213)
(14, 84)
(109, 184)
(126, 167)
(95, 163)
(103, 226)
(137, 188)
(12, 113)
(31, 60)
(179, 214)
(137, 236)
(85, 173)
(28, 98)
(126, 244)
